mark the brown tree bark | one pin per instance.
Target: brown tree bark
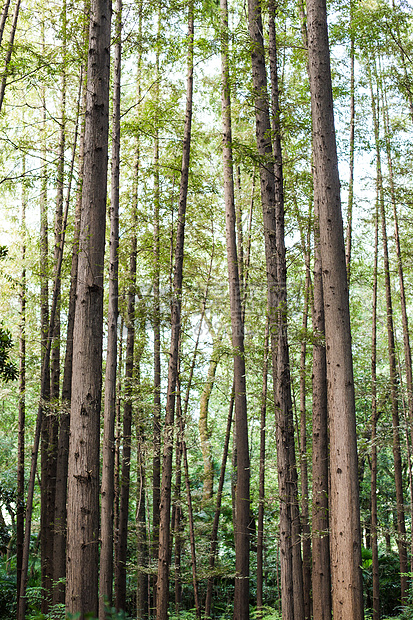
(142, 542)
(3, 18)
(181, 423)
(51, 425)
(350, 201)
(305, 235)
(157, 424)
(59, 542)
(214, 533)
(398, 479)
(118, 437)
(242, 493)
(22, 394)
(165, 503)
(345, 541)
(44, 326)
(9, 52)
(374, 418)
(83, 478)
(142, 585)
(44, 391)
(261, 489)
(399, 259)
(204, 432)
(108, 448)
(177, 522)
(321, 573)
(130, 362)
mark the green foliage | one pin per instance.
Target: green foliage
(268, 613)
(7, 591)
(389, 577)
(8, 369)
(111, 614)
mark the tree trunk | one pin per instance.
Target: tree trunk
(204, 433)
(261, 488)
(165, 502)
(44, 326)
(22, 394)
(403, 303)
(9, 52)
(398, 478)
(51, 430)
(306, 532)
(374, 418)
(59, 542)
(3, 18)
(132, 363)
(177, 521)
(321, 575)
(242, 494)
(142, 590)
(142, 542)
(83, 478)
(277, 273)
(118, 436)
(345, 542)
(108, 448)
(214, 532)
(156, 463)
(349, 231)
(190, 510)
(44, 390)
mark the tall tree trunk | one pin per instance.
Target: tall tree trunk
(120, 568)
(44, 391)
(241, 595)
(181, 424)
(204, 432)
(350, 201)
(108, 448)
(118, 436)
(165, 503)
(374, 418)
(22, 393)
(261, 487)
(9, 52)
(83, 479)
(305, 519)
(3, 18)
(44, 326)
(143, 550)
(321, 574)
(124, 490)
(51, 430)
(287, 472)
(267, 180)
(178, 521)
(156, 463)
(403, 303)
(398, 479)
(59, 541)
(214, 533)
(142, 589)
(345, 544)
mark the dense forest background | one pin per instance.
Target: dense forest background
(156, 49)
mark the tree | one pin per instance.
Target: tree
(83, 477)
(345, 545)
(108, 462)
(165, 501)
(242, 497)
